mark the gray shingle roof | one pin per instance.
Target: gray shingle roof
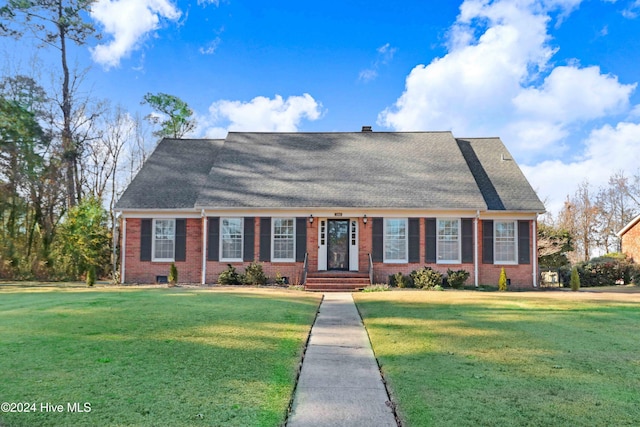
(172, 176)
(360, 169)
(425, 170)
(498, 176)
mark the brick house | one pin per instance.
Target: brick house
(630, 239)
(328, 204)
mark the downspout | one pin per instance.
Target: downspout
(123, 250)
(535, 252)
(203, 279)
(475, 248)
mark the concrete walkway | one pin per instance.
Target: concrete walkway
(340, 384)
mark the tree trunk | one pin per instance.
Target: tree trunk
(68, 147)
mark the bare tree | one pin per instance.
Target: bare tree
(579, 217)
(616, 207)
(54, 23)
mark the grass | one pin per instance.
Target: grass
(158, 357)
(508, 359)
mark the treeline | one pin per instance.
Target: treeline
(46, 231)
(583, 233)
(65, 157)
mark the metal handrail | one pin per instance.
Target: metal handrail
(370, 270)
(305, 268)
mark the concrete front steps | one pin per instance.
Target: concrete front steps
(336, 281)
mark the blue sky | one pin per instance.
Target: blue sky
(555, 79)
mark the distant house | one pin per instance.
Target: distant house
(630, 238)
(326, 204)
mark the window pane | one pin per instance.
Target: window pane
(395, 240)
(448, 240)
(164, 239)
(231, 237)
(283, 238)
(505, 242)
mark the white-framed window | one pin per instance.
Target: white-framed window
(283, 239)
(448, 243)
(164, 240)
(231, 239)
(505, 242)
(396, 242)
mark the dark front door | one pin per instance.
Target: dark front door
(338, 244)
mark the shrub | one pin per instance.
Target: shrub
(575, 279)
(254, 275)
(173, 275)
(230, 276)
(380, 287)
(400, 280)
(457, 278)
(280, 279)
(91, 276)
(502, 282)
(607, 270)
(426, 278)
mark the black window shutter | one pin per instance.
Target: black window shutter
(377, 241)
(265, 239)
(145, 239)
(524, 253)
(414, 239)
(249, 238)
(301, 238)
(180, 249)
(213, 239)
(430, 240)
(487, 241)
(467, 240)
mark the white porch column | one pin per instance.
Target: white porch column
(123, 250)
(203, 279)
(535, 252)
(475, 249)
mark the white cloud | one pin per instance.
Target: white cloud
(384, 56)
(485, 84)
(211, 47)
(498, 78)
(261, 114)
(472, 86)
(367, 75)
(569, 94)
(208, 2)
(608, 150)
(632, 10)
(127, 22)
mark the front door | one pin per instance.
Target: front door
(338, 244)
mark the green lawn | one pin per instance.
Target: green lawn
(162, 357)
(508, 359)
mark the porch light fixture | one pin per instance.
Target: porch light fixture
(364, 219)
(311, 219)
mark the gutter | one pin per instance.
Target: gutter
(475, 249)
